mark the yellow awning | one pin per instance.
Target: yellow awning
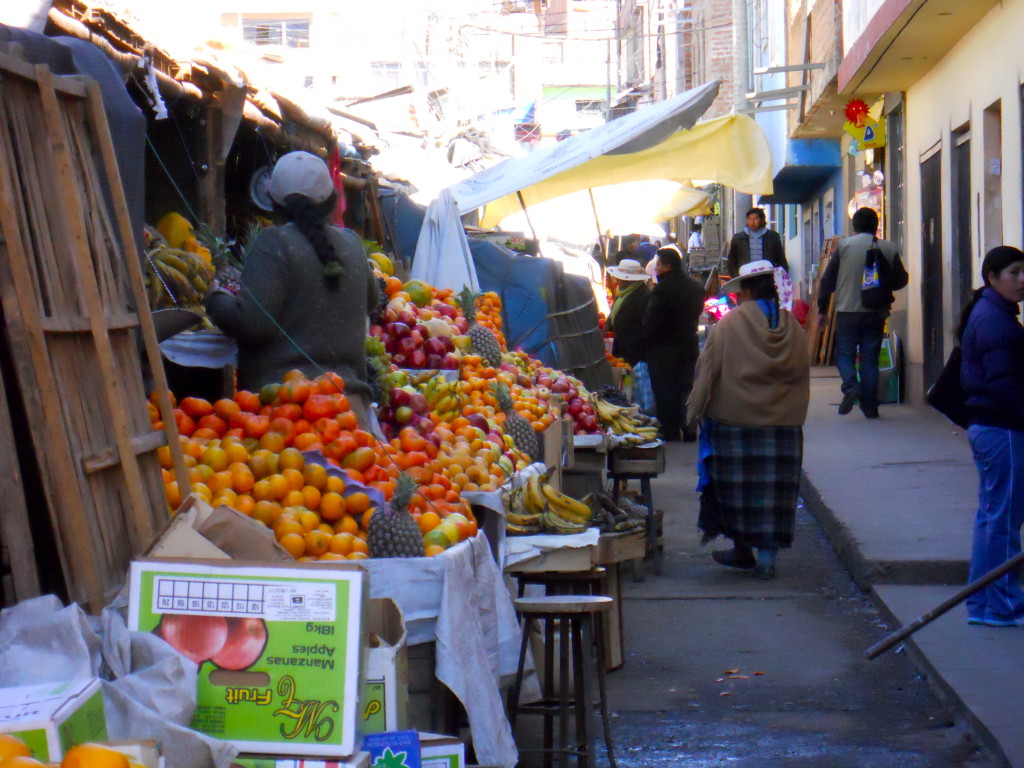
(731, 150)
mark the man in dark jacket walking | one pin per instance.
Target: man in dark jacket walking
(754, 243)
(670, 341)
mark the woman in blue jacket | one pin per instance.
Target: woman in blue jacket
(992, 342)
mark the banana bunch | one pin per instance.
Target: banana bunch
(637, 428)
(176, 278)
(536, 506)
(445, 397)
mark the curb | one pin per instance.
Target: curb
(946, 693)
(866, 572)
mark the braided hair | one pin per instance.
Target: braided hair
(763, 287)
(310, 217)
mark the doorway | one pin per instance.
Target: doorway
(961, 219)
(931, 267)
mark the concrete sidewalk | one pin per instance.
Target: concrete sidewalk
(897, 497)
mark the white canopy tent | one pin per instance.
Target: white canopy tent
(649, 144)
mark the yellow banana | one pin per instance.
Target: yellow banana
(567, 506)
(534, 495)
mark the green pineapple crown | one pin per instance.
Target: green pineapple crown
(503, 396)
(405, 487)
(467, 300)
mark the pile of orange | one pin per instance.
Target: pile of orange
(488, 314)
(615, 362)
(14, 753)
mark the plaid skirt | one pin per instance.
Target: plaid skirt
(752, 483)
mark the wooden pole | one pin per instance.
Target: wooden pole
(978, 584)
(600, 237)
(528, 222)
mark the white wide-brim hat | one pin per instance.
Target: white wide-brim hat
(629, 269)
(300, 173)
(753, 269)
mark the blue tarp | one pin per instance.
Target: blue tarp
(404, 221)
(526, 286)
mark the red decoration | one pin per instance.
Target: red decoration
(855, 111)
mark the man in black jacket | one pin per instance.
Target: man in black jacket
(754, 243)
(670, 341)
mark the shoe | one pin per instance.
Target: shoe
(849, 399)
(734, 558)
(689, 437)
(870, 413)
(996, 622)
(764, 571)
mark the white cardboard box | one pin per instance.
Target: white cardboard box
(54, 717)
(384, 703)
(438, 751)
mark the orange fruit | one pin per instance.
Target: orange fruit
(294, 478)
(291, 458)
(332, 506)
(359, 555)
(221, 481)
(93, 756)
(311, 497)
(12, 746)
(294, 544)
(331, 556)
(315, 475)
(163, 453)
(341, 543)
(266, 512)
(273, 441)
(245, 503)
(335, 484)
(434, 549)
(365, 519)
(326, 528)
(226, 408)
(357, 503)
(196, 407)
(293, 499)
(308, 519)
(236, 453)
(429, 521)
(284, 526)
(278, 486)
(317, 543)
(216, 458)
(242, 478)
(203, 492)
(172, 494)
(347, 524)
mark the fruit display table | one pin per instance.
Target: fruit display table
(640, 463)
(460, 600)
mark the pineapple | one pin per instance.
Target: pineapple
(484, 342)
(519, 428)
(392, 530)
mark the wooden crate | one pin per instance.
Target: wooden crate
(76, 315)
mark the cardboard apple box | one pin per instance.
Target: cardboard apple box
(54, 717)
(384, 702)
(438, 751)
(358, 760)
(279, 647)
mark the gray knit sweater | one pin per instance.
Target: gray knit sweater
(284, 288)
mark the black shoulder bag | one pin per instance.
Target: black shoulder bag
(947, 394)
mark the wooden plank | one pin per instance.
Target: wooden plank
(15, 532)
(81, 256)
(15, 65)
(111, 457)
(98, 120)
(23, 317)
(119, 322)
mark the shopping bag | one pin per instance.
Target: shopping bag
(643, 392)
(947, 394)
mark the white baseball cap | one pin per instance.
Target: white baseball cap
(300, 173)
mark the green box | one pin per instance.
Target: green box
(279, 647)
(438, 751)
(54, 717)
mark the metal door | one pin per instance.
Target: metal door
(931, 267)
(962, 261)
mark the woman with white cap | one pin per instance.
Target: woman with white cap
(626, 319)
(751, 394)
(305, 290)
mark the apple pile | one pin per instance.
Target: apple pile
(406, 408)
(576, 402)
(420, 345)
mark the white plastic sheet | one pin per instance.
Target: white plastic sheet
(442, 256)
(149, 689)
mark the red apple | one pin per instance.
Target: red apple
(406, 346)
(399, 330)
(246, 640)
(424, 426)
(462, 324)
(575, 407)
(434, 346)
(399, 397)
(399, 360)
(450, 362)
(376, 331)
(571, 393)
(448, 310)
(418, 403)
(195, 637)
(418, 359)
(560, 386)
(590, 422)
(545, 381)
(408, 317)
(478, 421)
(434, 362)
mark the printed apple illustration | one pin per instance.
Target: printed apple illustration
(196, 637)
(246, 639)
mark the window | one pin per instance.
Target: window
(386, 74)
(290, 33)
(591, 106)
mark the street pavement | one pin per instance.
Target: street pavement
(896, 497)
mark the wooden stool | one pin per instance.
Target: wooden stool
(574, 616)
(564, 582)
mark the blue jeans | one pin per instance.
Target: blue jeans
(859, 331)
(999, 456)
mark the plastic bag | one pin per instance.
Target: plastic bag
(643, 392)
